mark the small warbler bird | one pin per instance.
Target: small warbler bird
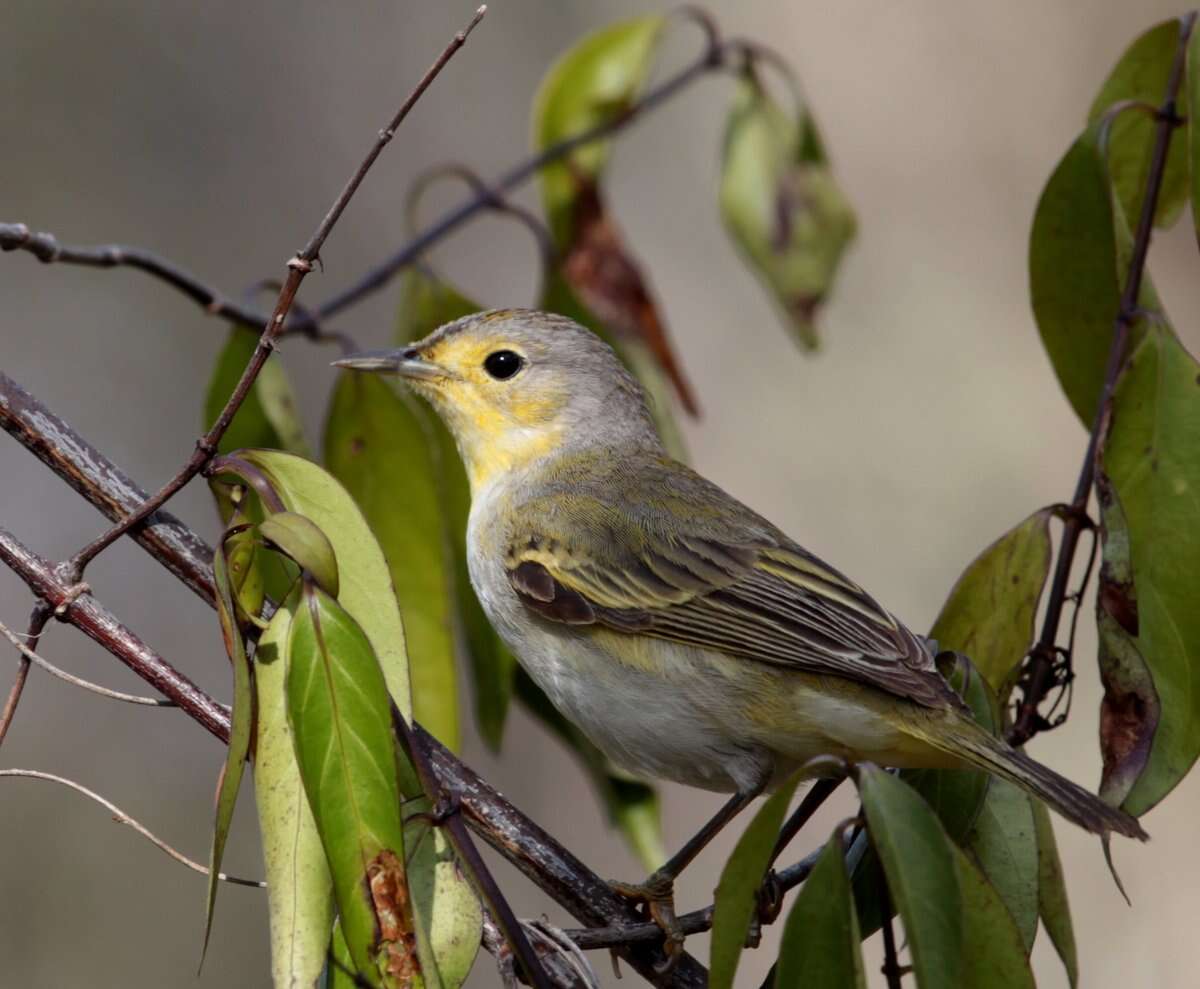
(687, 636)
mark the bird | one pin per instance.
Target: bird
(688, 637)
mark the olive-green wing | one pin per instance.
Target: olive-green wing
(753, 594)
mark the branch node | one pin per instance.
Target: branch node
(71, 595)
(297, 263)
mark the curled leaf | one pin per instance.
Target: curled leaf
(782, 206)
(302, 541)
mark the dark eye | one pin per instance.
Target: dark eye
(502, 364)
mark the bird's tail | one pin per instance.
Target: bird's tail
(974, 744)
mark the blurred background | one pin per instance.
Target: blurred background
(218, 133)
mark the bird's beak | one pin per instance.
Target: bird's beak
(407, 363)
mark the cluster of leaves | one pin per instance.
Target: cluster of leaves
(364, 566)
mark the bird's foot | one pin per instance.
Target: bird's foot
(658, 895)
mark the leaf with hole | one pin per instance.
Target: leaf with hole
(781, 205)
(736, 896)
(1150, 472)
(820, 941)
(922, 875)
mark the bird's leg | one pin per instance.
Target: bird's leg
(658, 891)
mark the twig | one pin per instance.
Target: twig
(37, 622)
(562, 972)
(1040, 673)
(891, 958)
(122, 818)
(29, 656)
(297, 268)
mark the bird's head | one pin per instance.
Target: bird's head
(515, 386)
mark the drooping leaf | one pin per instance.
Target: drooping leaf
(994, 954)
(378, 447)
(1078, 260)
(559, 297)
(340, 717)
(955, 795)
(1053, 908)
(299, 888)
(820, 943)
(1150, 465)
(427, 302)
(1141, 75)
(782, 206)
(735, 899)
(238, 503)
(632, 806)
(241, 720)
(299, 538)
(364, 584)
(1003, 843)
(268, 416)
(990, 612)
(246, 579)
(595, 81)
(922, 875)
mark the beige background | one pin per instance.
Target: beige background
(217, 134)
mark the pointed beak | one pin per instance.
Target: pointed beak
(407, 363)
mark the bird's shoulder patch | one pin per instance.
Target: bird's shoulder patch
(540, 592)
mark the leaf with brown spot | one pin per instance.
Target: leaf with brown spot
(611, 283)
(393, 910)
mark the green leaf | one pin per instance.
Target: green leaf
(992, 948)
(593, 82)
(955, 795)
(365, 585)
(299, 538)
(378, 447)
(1078, 260)
(782, 206)
(1053, 908)
(736, 899)
(990, 612)
(820, 943)
(632, 806)
(340, 974)
(340, 716)
(241, 720)
(299, 888)
(922, 875)
(427, 302)
(268, 416)
(1149, 469)
(1142, 75)
(1004, 846)
(560, 298)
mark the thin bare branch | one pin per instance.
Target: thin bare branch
(122, 818)
(297, 268)
(37, 622)
(32, 657)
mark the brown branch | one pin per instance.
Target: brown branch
(297, 268)
(1043, 669)
(37, 622)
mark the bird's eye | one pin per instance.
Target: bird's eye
(502, 364)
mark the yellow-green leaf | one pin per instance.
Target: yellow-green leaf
(820, 943)
(782, 206)
(299, 538)
(1141, 75)
(736, 899)
(990, 612)
(595, 81)
(378, 447)
(299, 888)
(1053, 908)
